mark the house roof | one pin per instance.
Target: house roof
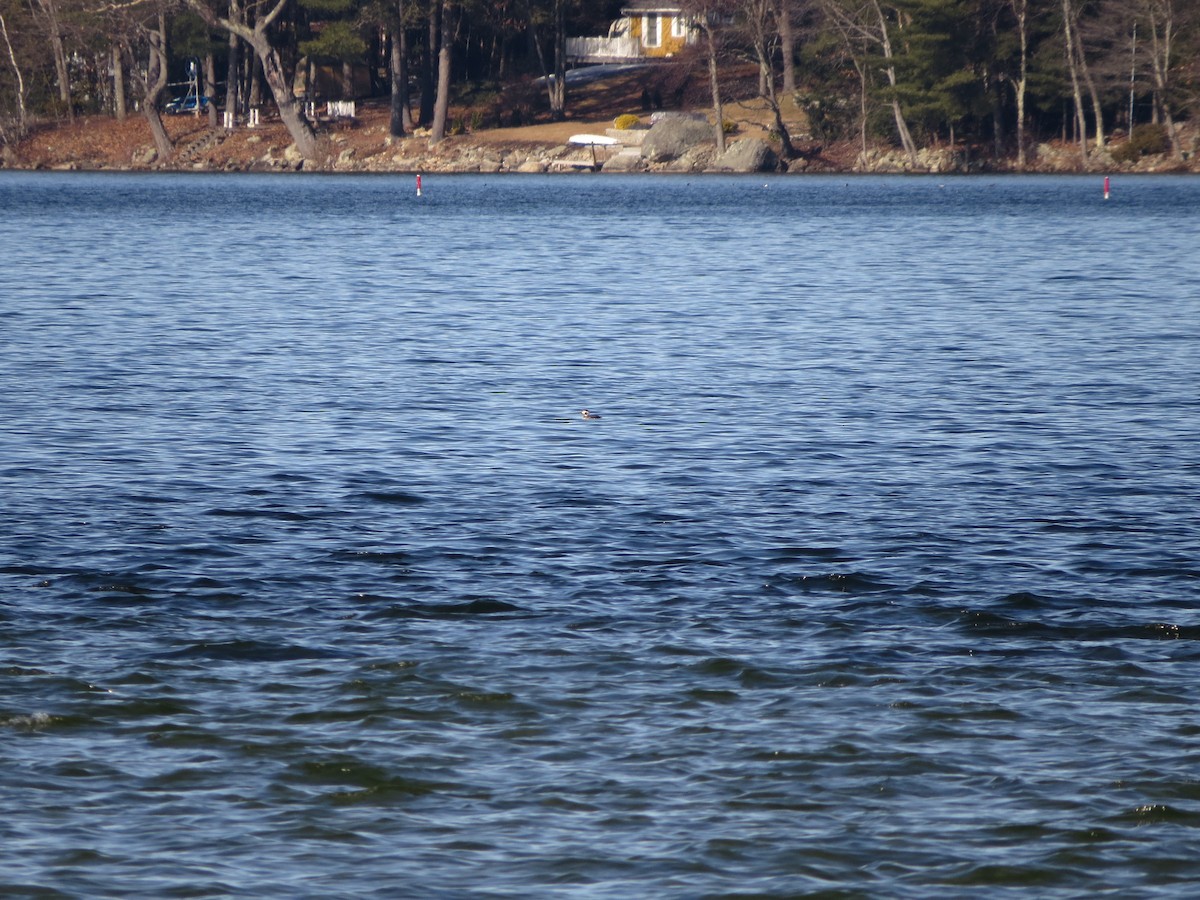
(637, 7)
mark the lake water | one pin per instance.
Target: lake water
(878, 577)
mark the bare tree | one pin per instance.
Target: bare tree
(710, 17)
(1072, 57)
(865, 21)
(233, 71)
(760, 17)
(48, 13)
(259, 37)
(22, 116)
(1160, 15)
(152, 79)
(401, 110)
(556, 82)
(1020, 11)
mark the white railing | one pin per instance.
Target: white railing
(341, 109)
(602, 49)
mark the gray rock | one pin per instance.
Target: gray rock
(695, 160)
(747, 155)
(673, 136)
(144, 156)
(626, 161)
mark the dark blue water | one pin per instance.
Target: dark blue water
(878, 577)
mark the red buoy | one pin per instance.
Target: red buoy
(1105, 187)
(418, 185)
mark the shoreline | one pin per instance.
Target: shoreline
(363, 146)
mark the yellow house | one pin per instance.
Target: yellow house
(647, 29)
(660, 29)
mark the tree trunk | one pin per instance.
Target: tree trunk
(233, 75)
(401, 118)
(787, 46)
(54, 32)
(905, 135)
(210, 87)
(1162, 24)
(766, 75)
(714, 82)
(428, 75)
(12, 57)
(118, 74)
(556, 81)
(290, 112)
(441, 106)
(1021, 9)
(558, 98)
(1093, 94)
(254, 67)
(156, 82)
(1073, 68)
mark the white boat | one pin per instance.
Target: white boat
(594, 140)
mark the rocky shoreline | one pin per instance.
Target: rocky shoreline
(681, 143)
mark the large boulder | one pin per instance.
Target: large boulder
(628, 160)
(672, 136)
(747, 155)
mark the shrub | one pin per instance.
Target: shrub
(729, 127)
(626, 121)
(1126, 153)
(1146, 140)
(1150, 139)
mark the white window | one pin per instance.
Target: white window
(678, 27)
(651, 30)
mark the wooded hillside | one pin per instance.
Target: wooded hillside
(996, 75)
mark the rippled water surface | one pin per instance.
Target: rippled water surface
(877, 578)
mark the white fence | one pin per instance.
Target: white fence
(602, 49)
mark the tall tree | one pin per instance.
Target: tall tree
(711, 17)
(233, 79)
(22, 116)
(260, 36)
(1020, 11)
(118, 73)
(441, 106)
(1073, 55)
(784, 15)
(865, 24)
(48, 13)
(760, 19)
(1160, 17)
(150, 31)
(401, 110)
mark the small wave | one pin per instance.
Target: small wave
(250, 651)
(988, 622)
(32, 722)
(383, 557)
(394, 498)
(479, 607)
(1159, 813)
(839, 583)
(283, 515)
